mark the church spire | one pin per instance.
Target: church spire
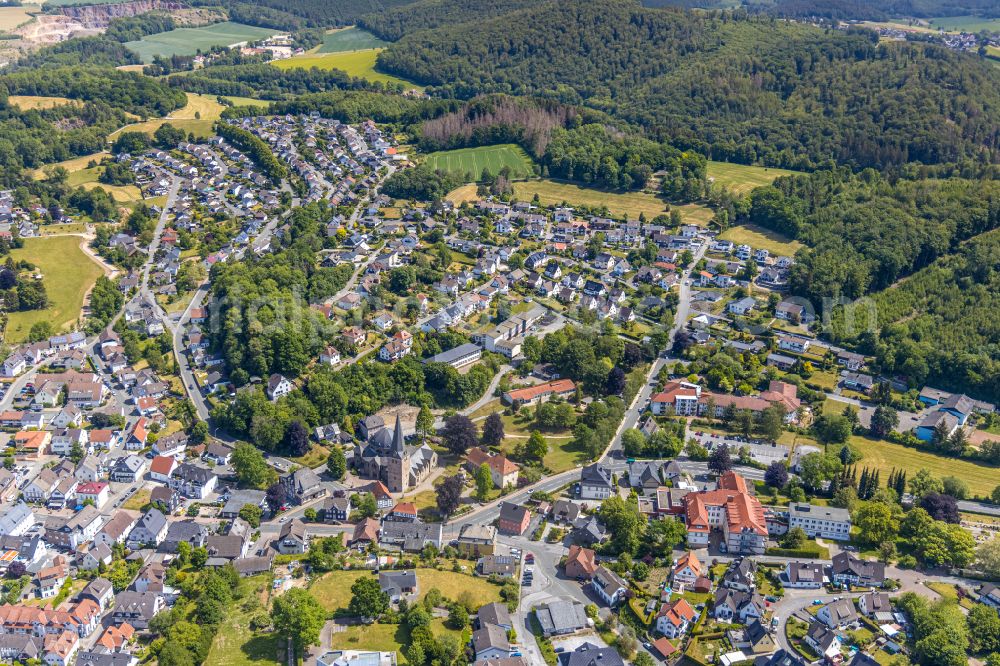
(397, 436)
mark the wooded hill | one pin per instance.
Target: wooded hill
(734, 86)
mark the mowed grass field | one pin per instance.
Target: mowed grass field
(68, 273)
(758, 237)
(360, 64)
(473, 161)
(248, 101)
(740, 178)
(197, 116)
(31, 102)
(187, 41)
(349, 39)
(965, 23)
(982, 479)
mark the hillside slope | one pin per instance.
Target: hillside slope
(740, 88)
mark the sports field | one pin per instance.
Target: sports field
(196, 116)
(965, 23)
(758, 237)
(187, 41)
(68, 274)
(360, 64)
(740, 178)
(349, 39)
(473, 161)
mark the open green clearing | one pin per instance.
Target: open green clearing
(966, 23)
(248, 101)
(188, 41)
(360, 64)
(333, 590)
(32, 102)
(555, 192)
(758, 237)
(383, 637)
(236, 644)
(68, 272)
(349, 39)
(197, 117)
(740, 178)
(473, 161)
(982, 479)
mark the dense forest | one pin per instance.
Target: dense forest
(940, 326)
(297, 14)
(865, 232)
(261, 80)
(874, 10)
(730, 85)
(393, 24)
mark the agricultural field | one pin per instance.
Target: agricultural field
(621, 204)
(758, 237)
(188, 41)
(197, 116)
(248, 101)
(360, 64)
(69, 274)
(12, 17)
(965, 23)
(31, 102)
(740, 178)
(349, 39)
(474, 160)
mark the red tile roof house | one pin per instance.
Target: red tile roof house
(581, 563)
(540, 393)
(514, 519)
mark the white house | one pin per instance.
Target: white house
(608, 586)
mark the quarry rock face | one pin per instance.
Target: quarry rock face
(98, 16)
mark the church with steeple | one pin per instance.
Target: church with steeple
(387, 457)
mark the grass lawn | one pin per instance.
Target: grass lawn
(383, 637)
(333, 590)
(349, 39)
(695, 214)
(68, 274)
(740, 178)
(69, 228)
(624, 204)
(982, 479)
(235, 644)
(29, 102)
(758, 237)
(356, 63)
(187, 41)
(948, 591)
(138, 500)
(472, 161)
(317, 455)
(562, 454)
(452, 584)
(197, 116)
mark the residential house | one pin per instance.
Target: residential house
(514, 519)
(609, 586)
(674, 618)
(850, 570)
(596, 482)
(293, 539)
